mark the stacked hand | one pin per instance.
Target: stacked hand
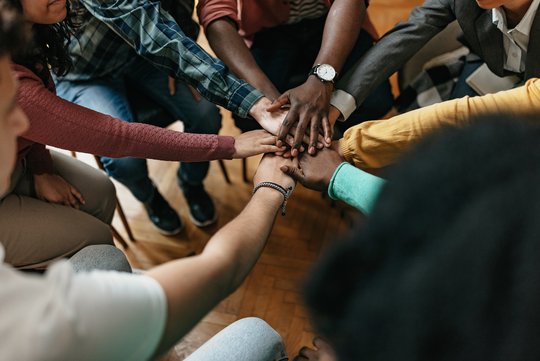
(308, 115)
(315, 171)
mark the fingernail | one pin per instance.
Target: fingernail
(311, 150)
(320, 145)
(328, 140)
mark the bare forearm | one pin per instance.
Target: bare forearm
(230, 47)
(195, 285)
(341, 31)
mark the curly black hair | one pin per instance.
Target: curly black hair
(446, 267)
(14, 34)
(50, 45)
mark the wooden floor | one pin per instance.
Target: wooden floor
(272, 289)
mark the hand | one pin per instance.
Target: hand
(309, 105)
(315, 172)
(54, 189)
(255, 142)
(271, 122)
(269, 171)
(322, 352)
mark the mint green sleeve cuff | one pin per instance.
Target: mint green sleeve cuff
(355, 187)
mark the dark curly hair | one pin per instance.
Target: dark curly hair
(50, 45)
(446, 267)
(14, 34)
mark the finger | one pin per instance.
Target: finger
(271, 148)
(172, 86)
(77, 195)
(72, 201)
(327, 128)
(279, 154)
(281, 101)
(288, 122)
(300, 134)
(287, 154)
(313, 133)
(269, 139)
(293, 172)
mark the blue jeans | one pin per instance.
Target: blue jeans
(248, 339)
(286, 54)
(109, 96)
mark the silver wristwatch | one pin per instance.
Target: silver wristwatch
(325, 72)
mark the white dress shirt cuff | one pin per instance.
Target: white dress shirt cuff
(344, 102)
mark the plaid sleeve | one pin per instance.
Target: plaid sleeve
(154, 35)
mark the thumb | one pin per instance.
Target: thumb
(293, 172)
(282, 100)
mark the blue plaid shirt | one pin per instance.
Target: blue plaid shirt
(114, 31)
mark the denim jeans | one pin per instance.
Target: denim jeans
(248, 339)
(286, 54)
(109, 96)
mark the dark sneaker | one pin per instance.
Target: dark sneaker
(163, 216)
(202, 211)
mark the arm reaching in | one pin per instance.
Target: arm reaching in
(226, 260)
(309, 102)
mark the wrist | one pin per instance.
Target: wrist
(277, 189)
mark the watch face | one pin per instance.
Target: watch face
(326, 72)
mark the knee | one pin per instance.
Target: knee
(99, 233)
(100, 257)
(106, 191)
(258, 328)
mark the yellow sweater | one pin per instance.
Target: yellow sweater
(378, 143)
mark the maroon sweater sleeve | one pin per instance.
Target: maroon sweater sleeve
(61, 124)
(39, 160)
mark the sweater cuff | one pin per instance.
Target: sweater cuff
(331, 192)
(226, 146)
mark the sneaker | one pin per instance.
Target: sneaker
(202, 211)
(164, 218)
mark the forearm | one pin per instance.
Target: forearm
(66, 125)
(231, 48)
(394, 49)
(376, 144)
(355, 187)
(154, 35)
(341, 31)
(228, 257)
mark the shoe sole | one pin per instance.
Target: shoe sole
(203, 224)
(207, 223)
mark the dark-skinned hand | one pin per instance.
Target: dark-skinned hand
(322, 351)
(309, 106)
(316, 171)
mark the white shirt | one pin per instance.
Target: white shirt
(64, 315)
(516, 40)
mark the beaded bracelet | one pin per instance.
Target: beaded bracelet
(286, 192)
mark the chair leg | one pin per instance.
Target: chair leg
(118, 237)
(124, 220)
(224, 171)
(119, 208)
(244, 170)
